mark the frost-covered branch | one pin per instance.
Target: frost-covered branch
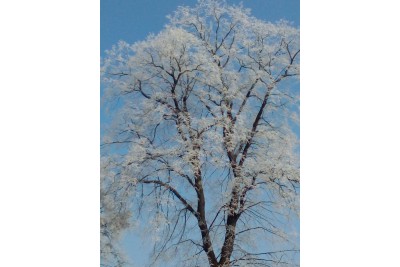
(174, 191)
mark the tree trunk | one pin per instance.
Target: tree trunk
(227, 248)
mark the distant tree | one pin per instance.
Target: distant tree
(202, 145)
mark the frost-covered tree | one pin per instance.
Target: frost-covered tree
(202, 148)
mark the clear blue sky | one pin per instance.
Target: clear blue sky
(133, 20)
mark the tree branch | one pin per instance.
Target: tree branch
(175, 192)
